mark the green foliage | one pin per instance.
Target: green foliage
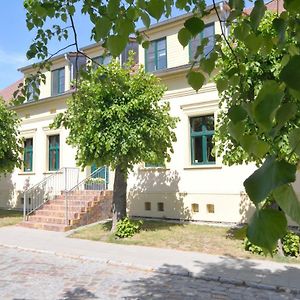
(259, 117)
(128, 228)
(116, 117)
(10, 145)
(252, 248)
(291, 244)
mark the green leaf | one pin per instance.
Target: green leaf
(285, 112)
(290, 74)
(257, 13)
(194, 25)
(145, 19)
(236, 130)
(116, 44)
(102, 28)
(237, 113)
(251, 144)
(279, 25)
(222, 85)
(294, 140)
(146, 44)
(155, 8)
(184, 37)
(208, 64)
(195, 79)
(287, 199)
(269, 176)
(292, 6)
(242, 31)
(266, 104)
(266, 227)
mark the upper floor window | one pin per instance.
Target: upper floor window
(32, 93)
(156, 55)
(101, 60)
(53, 150)
(28, 153)
(58, 81)
(202, 131)
(78, 63)
(208, 32)
(131, 46)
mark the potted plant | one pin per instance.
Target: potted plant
(94, 184)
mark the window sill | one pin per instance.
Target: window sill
(192, 167)
(26, 173)
(51, 172)
(160, 169)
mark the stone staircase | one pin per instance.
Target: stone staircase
(84, 207)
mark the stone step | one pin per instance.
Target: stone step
(55, 213)
(46, 219)
(46, 226)
(62, 208)
(71, 202)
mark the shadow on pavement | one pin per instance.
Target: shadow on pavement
(78, 293)
(228, 279)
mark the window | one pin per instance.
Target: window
(156, 55)
(147, 205)
(101, 60)
(208, 32)
(160, 206)
(195, 207)
(131, 46)
(32, 93)
(202, 131)
(78, 63)
(28, 151)
(53, 152)
(58, 81)
(210, 208)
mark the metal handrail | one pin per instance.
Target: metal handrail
(54, 187)
(88, 177)
(77, 187)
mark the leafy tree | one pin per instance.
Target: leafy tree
(114, 21)
(116, 118)
(10, 147)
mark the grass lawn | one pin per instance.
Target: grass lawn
(10, 217)
(189, 237)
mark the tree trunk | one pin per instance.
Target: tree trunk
(119, 197)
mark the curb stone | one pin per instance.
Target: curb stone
(220, 279)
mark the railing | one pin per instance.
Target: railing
(50, 187)
(97, 181)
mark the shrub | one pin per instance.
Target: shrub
(252, 248)
(290, 244)
(128, 228)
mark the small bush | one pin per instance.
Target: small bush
(128, 228)
(252, 248)
(290, 244)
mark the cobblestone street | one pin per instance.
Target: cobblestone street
(27, 275)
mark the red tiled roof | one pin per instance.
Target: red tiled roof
(272, 5)
(7, 93)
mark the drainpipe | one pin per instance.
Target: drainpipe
(70, 66)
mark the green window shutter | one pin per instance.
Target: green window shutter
(28, 155)
(201, 134)
(54, 151)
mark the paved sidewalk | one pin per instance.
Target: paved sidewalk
(253, 273)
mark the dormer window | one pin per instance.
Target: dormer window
(32, 93)
(208, 32)
(101, 60)
(156, 55)
(58, 81)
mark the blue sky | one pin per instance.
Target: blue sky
(15, 40)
